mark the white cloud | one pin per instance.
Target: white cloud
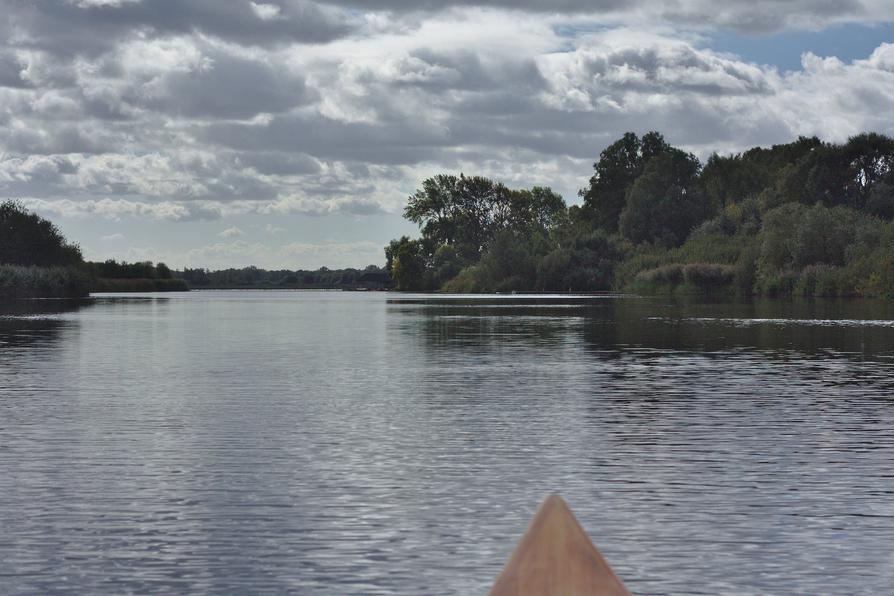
(292, 108)
(112, 237)
(233, 232)
(94, 3)
(118, 209)
(266, 12)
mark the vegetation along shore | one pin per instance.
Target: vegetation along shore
(805, 218)
(36, 261)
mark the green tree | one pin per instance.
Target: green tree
(459, 216)
(509, 263)
(446, 264)
(406, 264)
(870, 159)
(585, 265)
(619, 165)
(162, 271)
(459, 211)
(795, 236)
(880, 201)
(28, 239)
(833, 174)
(524, 211)
(664, 204)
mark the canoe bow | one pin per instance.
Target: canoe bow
(555, 557)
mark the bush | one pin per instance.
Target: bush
(43, 282)
(781, 283)
(822, 280)
(666, 275)
(686, 278)
(746, 270)
(708, 276)
(735, 218)
(553, 270)
(796, 236)
(469, 281)
(737, 252)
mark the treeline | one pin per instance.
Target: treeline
(144, 276)
(370, 278)
(35, 259)
(804, 218)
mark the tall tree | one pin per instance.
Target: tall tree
(619, 165)
(28, 239)
(458, 211)
(466, 212)
(665, 204)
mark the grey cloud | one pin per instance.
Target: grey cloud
(278, 163)
(237, 186)
(764, 16)
(119, 208)
(229, 87)
(59, 138)
(680, 67)
(67, 27)
(758, 16)
(10, 71)
(358, 206)
(396, 142)
(530, 5)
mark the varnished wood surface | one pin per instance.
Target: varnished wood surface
(555, 557)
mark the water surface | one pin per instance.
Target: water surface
(367, 443)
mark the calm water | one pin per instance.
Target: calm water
(351, 443)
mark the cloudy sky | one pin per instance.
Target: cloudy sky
(288, 133)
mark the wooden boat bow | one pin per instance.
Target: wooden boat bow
(556, 558)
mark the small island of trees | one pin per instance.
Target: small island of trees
(804, 218)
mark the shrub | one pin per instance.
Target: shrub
(708, 276)
(469, 280)
(668, 274)
(43, 282)
(826, 281)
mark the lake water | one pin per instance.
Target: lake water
(371, 443)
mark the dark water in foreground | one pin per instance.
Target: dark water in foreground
(347, 443)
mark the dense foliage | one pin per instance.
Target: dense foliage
(35, 259)
(17, 281)
(807, 218)
(29, 240)
(112, 269)
(144, 276)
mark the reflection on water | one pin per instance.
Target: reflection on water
(368, 443)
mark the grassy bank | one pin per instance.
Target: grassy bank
(17, 282)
